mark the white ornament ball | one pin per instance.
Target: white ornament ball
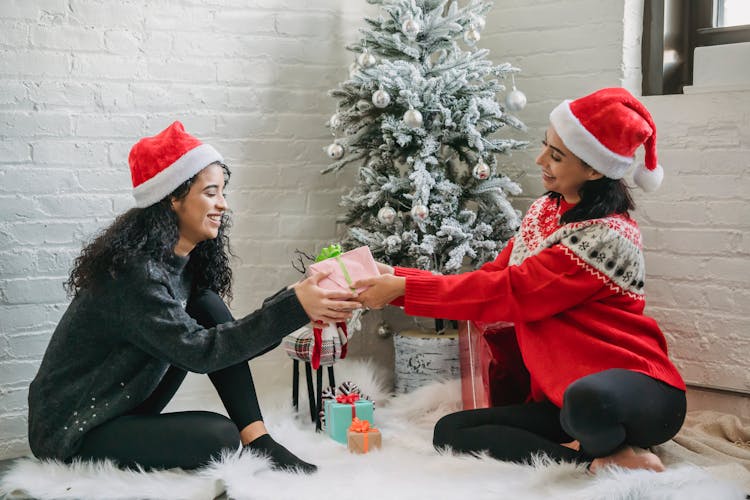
(419, 212)
(363, 105)
(481, 171)
(477, 22)
(472, 36)
(335, 151)
(365, 59)
(410, 28)
(335, 121)
(381, 98)
(387, 215)
(515, 100)
(413, 118)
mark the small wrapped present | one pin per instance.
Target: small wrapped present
(492, 370)
(362, 438)
(340, 412)
(345, 268)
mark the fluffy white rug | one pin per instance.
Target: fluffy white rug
(407, 467)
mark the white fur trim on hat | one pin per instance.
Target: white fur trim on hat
(166, 181)
(584, 145)
(648, 180)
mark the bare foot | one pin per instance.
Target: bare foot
(573, 445)
(629, 459)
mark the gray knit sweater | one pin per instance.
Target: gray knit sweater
(113, 346)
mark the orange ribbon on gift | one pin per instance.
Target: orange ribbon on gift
(362, 426)
(349, 399)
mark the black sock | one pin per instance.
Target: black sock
(281, 458)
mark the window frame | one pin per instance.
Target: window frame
(672, 29)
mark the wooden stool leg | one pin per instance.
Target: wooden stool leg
(319, 398)
(310, 390)
(331, 381)
(295, 384)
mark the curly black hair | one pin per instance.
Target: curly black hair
(152, 233)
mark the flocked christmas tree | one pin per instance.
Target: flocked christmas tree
(420, 114)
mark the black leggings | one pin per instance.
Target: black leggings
(604, 412)
(147, 438)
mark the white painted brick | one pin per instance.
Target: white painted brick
(69, 153)
(292, 226)
(266, 201)
(104, 180)
(34, 63)
(259, 226)
(303, 25)
(35, 181)
(246, 21)
(182, 70)
(106, 66)
(15, 371)
(12, 93)
(13, 152)
(160, 16)
(17, 263)
(35, 124)
(105, 14)
(13, 399)
(165, 96)
(25, 317)
(15, 34)
(122, 41)
(325, 202)
(98, 125)
(298, 126)
(256, 72)
(247, 125)
(79, 38)
(11, 426)
(23, 9)
(202, 126)
(254, 177)
(27, 346)
(57, 93)
(75, 205)
(32, 291)
(16, 208)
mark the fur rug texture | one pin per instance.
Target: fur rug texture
(407, 467)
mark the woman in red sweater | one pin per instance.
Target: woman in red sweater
(572, 282)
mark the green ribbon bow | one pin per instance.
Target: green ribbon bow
(334, 252)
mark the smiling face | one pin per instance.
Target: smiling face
(200, 211)
(562, 171)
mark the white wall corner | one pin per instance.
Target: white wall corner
(632, 73)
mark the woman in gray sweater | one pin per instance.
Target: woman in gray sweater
(147, 307)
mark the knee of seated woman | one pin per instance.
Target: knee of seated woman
(444, 431)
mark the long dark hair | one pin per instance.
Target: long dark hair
(152, 233)
(599, 198)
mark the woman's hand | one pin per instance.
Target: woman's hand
(381, 290)
(327, 306)
(384, 268)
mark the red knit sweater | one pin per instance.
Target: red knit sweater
(574, 292)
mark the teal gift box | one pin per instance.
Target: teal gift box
(339, 417)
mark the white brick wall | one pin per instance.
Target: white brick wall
(82, 80)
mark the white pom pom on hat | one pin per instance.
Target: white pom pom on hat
(604, 129)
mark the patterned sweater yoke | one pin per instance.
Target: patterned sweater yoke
(610, 248)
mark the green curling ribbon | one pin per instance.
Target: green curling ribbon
(334, 252)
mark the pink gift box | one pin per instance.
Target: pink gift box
(359, 265)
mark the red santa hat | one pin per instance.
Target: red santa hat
(604, 129)
(159, 164)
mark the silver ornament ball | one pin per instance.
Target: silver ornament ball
(387, 215)
(472, 36)
(335, 121)
(381, 98)
(410, 28)
(365, 59)
(481, 171)
(384, 330)
(419, 212)
(477, 22)
(515, 100)
(363, 105)
(413, 118)
(335, 151)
